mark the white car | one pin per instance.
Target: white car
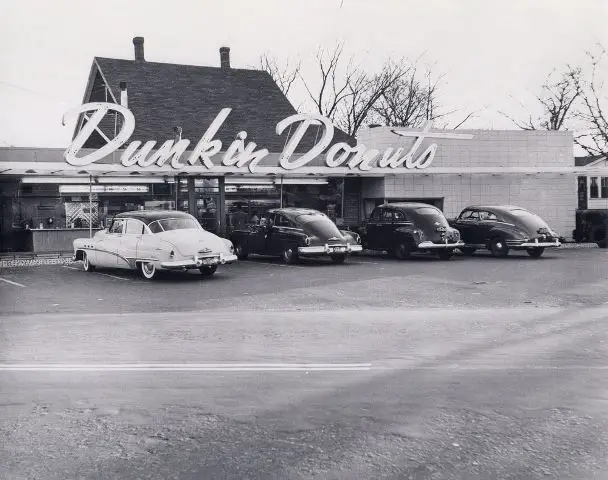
(154, 240)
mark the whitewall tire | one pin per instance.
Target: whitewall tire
(88, 266)
(147, 270)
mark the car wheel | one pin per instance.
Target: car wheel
(148, 270)
(338, 258)
(402, 251)
(468, 251)
(207, 271)
(498, 247)
(289, 255)
(445, 254)
(88, 266)
(535, 252)
(240, 252)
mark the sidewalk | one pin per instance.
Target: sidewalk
(30, 259)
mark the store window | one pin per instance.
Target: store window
(604, 191)
(593, 188)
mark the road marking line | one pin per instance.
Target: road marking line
(185, 367)
(12, 283)
(112, 276)
(71, 268)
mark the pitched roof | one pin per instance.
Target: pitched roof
(586, 160)
(164, 95)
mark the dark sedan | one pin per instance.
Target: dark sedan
(293, 233)
(504, 228)
(404, 228)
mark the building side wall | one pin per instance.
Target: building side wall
(553, 197)
(487, 148)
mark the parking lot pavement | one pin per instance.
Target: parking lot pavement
(441, 393)
(471, 368)
(562, 278)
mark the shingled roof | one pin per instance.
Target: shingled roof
(164, 95)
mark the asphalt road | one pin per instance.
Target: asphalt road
(475, 368)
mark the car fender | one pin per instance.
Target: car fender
(406, 234)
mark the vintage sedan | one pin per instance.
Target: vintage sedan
(294, 233)
(406, 227)
(503, 228)
(154, 240)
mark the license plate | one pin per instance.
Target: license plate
(208, 261)
(338, 249)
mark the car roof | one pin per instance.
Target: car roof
(499, 208)
(294, 211)
(149, 216)
(407, 205)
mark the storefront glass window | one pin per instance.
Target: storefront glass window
(593, 188)
(604, 187)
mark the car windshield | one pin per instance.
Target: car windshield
(432, 214)
(173, 224)
(319, 225)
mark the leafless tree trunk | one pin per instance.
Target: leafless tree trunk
(557, 99)
(594, 109)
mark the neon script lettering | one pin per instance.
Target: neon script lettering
(241, 153)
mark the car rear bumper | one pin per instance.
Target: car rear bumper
(435, 246)
(329, 249)
(553, 244)
(197, 262)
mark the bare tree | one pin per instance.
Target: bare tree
(350, 96)
(283, 76)
(557, 100)
(593, 112)
(364, 93)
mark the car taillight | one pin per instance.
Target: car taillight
(307, 241)
(171, 254)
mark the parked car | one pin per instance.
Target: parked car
(154, 240)
(503, 228)
(592, 226)
(294, 233)
(405, 228)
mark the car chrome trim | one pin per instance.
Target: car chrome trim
(197, 262)
(428, 244)
(323, 249)
(540, 244)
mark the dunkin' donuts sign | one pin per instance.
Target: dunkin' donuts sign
(242, 154)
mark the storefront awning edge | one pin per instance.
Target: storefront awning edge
(63, 169)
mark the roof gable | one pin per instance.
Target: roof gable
(163, 96)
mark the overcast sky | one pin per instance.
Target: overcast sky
(489, 50)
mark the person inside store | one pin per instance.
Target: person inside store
(239, 219)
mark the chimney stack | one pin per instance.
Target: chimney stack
(225, 57)
(138, 43)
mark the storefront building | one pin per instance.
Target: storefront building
(226, 145)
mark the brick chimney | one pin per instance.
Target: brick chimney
(138, 44)
(225, 57)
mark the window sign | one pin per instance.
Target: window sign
(104, 189)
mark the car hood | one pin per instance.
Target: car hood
(189, 241)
